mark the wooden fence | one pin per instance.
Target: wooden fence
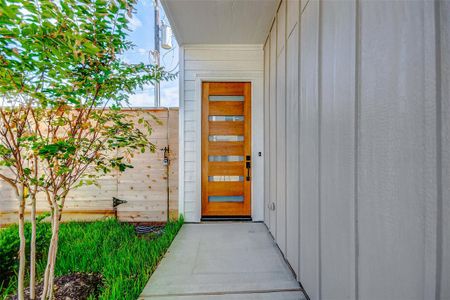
(150, 188)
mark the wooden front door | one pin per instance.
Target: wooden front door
(226, 149)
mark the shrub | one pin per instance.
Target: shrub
(9, 248)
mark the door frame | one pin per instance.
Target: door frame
(257, 141)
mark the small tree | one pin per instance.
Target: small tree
(13, 129)
(63, 84)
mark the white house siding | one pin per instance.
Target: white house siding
(292, 136)
(309, 150)
(266, 131)
(397, 197)
(359, 135)
(444, 154)
(280, 117)
(217, 63)
(272, 134)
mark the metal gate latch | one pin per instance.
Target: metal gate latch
(166, 156)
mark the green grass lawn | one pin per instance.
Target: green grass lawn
(113, 249)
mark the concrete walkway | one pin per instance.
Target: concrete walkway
(223, 261)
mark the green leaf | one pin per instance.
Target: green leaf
(27, 171)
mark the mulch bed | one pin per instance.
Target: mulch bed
(75, 286)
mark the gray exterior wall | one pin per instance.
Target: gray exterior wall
(444, 151)
(357, 114)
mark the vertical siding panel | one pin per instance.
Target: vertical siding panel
(397, 175)
(281, 152)
(309, 133)
(430, 149)
(337, 92)
(299, 237)
(273, 130)
(403, 150)
(266, 153)
(281, 27)
(281, 129)
(293, 11)
(292, 150)
(444, 262)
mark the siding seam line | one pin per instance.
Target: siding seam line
(276, 128)
(269, 176)
(285, 130)
(299, 22)
(319, 173)
(439, 167)
(356, 141)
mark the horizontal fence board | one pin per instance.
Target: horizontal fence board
(144, 186)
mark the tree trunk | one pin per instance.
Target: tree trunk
(49, 274)
(53, 262)
(49, 259)
(21, 275)
(33, 249)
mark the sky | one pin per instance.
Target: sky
(142, 35)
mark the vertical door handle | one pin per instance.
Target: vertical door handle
(248, 165)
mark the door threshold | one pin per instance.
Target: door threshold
(225, 218)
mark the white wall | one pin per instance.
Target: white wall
(280, 123)
(397, 151)
(217, 63)
(337, 149)
(357, 105)
(292, 136)
(443, 259)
